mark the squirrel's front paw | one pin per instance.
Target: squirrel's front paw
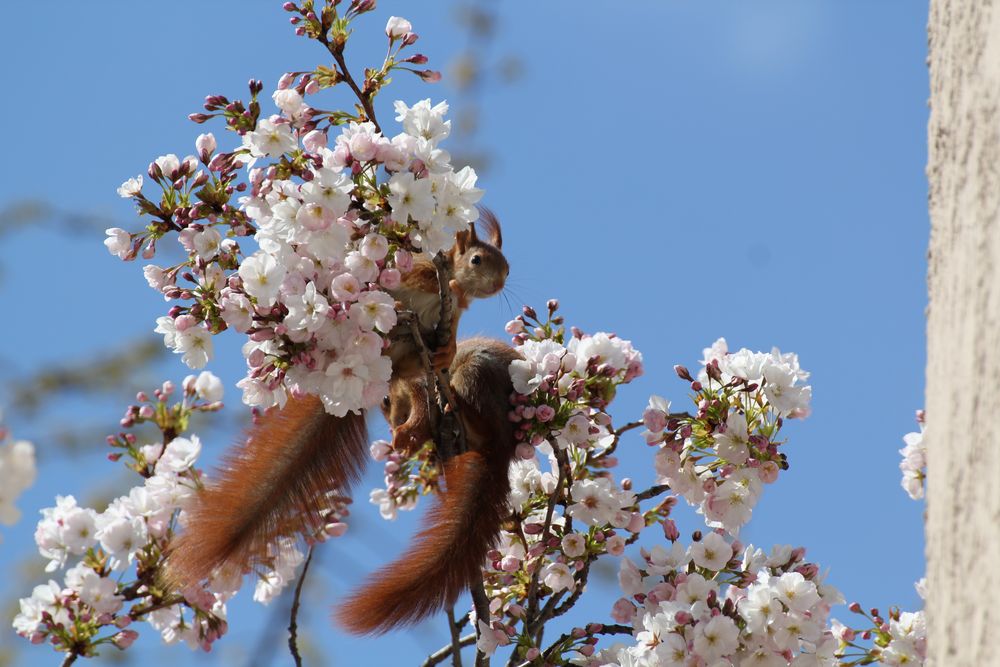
(443, 356)
(408, 438)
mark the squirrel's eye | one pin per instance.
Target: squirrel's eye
(386, 402)
(476, 259)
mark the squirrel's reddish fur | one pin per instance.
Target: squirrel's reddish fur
(273, 484)
(465, 521)
(278, 481)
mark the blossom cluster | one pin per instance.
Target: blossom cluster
(719, 458)
(337, 219)
(717, 603)
(567, 507)
(116, 577)
(17, 473)
(407, 477)
(914, 463)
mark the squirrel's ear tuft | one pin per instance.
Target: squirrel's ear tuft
(491, 225)
(462, 241)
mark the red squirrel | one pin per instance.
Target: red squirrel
(275, 483)
(465, 521)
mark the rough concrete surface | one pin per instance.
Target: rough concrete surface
(963, 334)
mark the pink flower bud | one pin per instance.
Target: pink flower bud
(635, 523)
(533, 528)
(205, 145)
(404, 261)
(510, 564)
(314, 140)
(389, 279)
(380, 450)
(124, 638)
(545, 413)
(532, 654)
(515, 326)
(670, 530)
(396, 27)
(623, 611)
(429, 75)
(616, 545)
(768, 472)
(525, 451)
(185, 322)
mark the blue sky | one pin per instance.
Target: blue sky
(672, 171)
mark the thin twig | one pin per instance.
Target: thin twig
(456, 645)
(627, 427)
(338, 54)
(581, 583)
(442, 653)
(70, 658)
(553, 499)
(293, 625)
(162, 604)
(612, 629)
(652, 492)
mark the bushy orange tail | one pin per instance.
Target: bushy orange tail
(273, 484)
(448, 553)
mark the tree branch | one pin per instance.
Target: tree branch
(553, 500)
(652, 492)
(442, 653)
(293, 626)
(613, 629)
(456, 642)
(338, 55)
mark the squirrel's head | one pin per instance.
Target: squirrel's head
(480, 267)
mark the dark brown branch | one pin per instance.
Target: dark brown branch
(456, 641)
(652, 492)
(442, 653)
(581, 583)
(337, 51)
(162, 604)
(557, 645)
(627, 427)
(553, 499)
(293, 625)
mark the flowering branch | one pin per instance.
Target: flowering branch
(442, 653)
(293, 620)
(336, 226)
